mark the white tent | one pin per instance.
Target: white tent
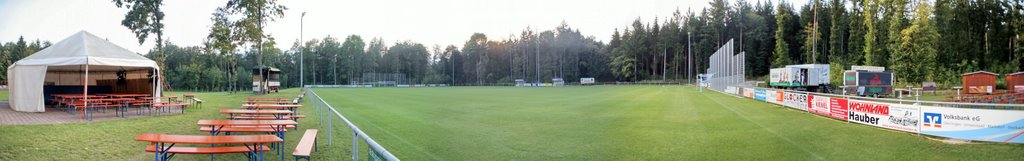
(83, 59)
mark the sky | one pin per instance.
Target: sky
(430, 22)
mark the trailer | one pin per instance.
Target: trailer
(868, 83)
(803, 77)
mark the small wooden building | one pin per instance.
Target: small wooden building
(1015, 82)
(270, 80)
(980, 82)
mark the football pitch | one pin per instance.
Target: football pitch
(622, 123)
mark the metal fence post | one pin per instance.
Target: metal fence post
(329, 127)
(320, 107)
(355, 146)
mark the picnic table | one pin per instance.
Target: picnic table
(278, 127)
(267, 101)
(162, 144)
(265, 98)
(278, 114)
(290, 107)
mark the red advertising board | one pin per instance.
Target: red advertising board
(819, 105)
(838, 108)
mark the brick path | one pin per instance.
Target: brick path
(58, 116)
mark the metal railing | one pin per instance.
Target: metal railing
(377, 152)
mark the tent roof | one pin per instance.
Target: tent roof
(85, 48)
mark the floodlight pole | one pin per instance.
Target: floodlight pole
(689, 59)
(302, 77)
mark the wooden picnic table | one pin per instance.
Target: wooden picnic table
(164, 143)
(128, 95)
(278, 114)
(267, 101)
(265, 98)
(279, 127)
(271, 106)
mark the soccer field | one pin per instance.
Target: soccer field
(621, 123)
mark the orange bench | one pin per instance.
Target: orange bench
(305, 145)
(241, 129)
(207, 150)
(266, 117)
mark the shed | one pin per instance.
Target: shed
(1015, 82)
(980, 82)
(266, 79)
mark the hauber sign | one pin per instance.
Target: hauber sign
(867, 112)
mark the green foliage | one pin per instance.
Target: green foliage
(917, 52)
(871, 37)
(143, 18)
(781, 46)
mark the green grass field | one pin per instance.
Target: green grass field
(507, 123)
(622, 123)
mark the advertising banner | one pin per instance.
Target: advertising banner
(760, 94)
(974, 124)
(795, 100)
(903, 117)
(748, 92)
(838, 108)
(771, 96)
(778, 98)
(732, 90)
(819, 105)
(870, 113)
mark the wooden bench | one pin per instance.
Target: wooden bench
(250, 117)
(241, 129)
(306, 145)
(198, 102)
(206, 150)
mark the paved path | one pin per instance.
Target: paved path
(58, 116)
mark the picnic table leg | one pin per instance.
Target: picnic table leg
(156, 151)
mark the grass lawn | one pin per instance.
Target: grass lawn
(622, 123)
(115, 140)
(504, 123)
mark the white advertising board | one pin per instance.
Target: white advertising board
(748, 92)
(903, 117)
(795, 100)
(974, 124)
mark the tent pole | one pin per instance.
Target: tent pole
(85, 91)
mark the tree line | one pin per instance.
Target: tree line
(918, 40)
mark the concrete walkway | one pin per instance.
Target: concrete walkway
(58, 116)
